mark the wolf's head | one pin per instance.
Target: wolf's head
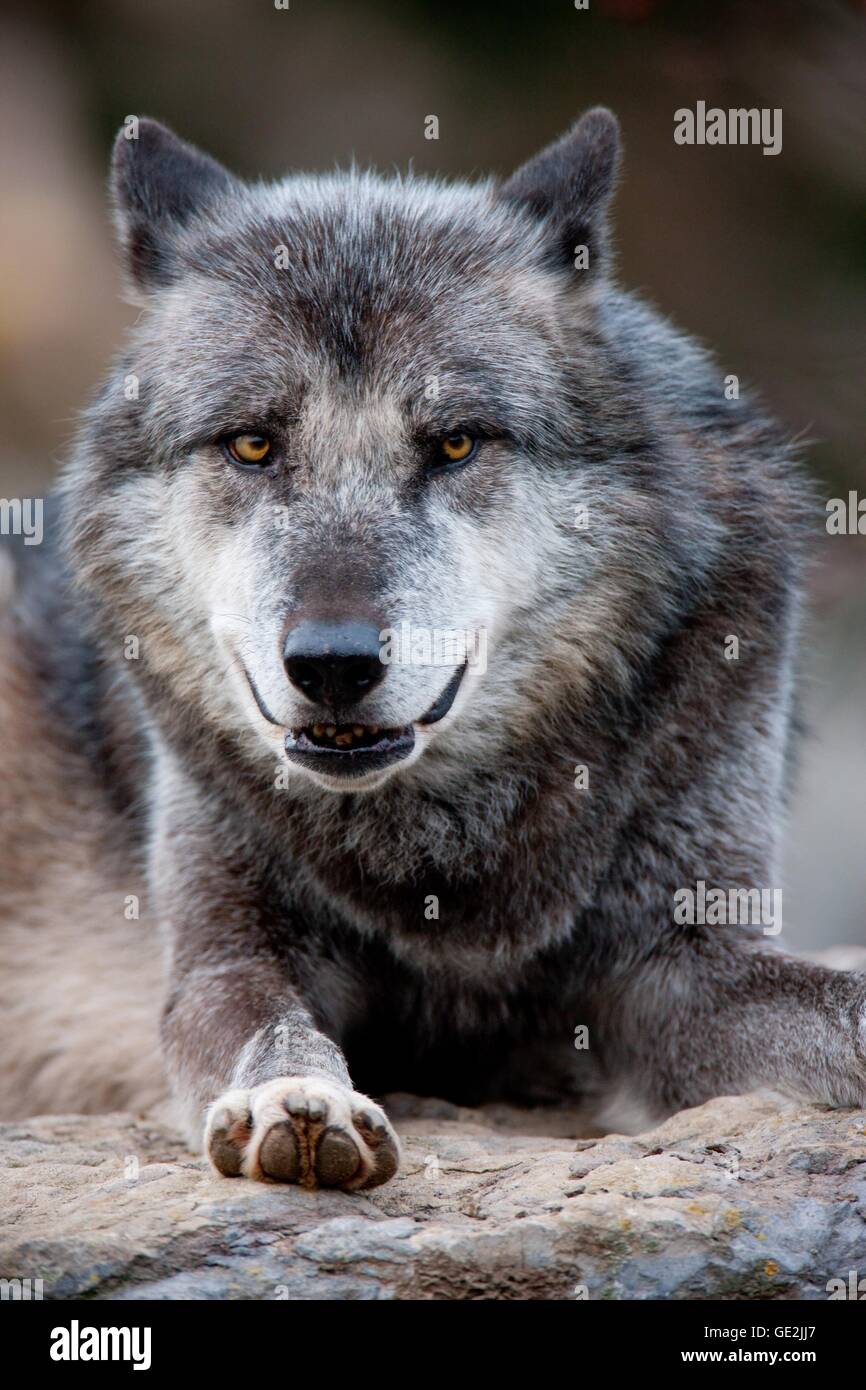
(369, 485)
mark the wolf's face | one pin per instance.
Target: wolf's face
(335, 487)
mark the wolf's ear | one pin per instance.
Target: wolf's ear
(158, 182)
(569, 185)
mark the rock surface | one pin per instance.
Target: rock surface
(745, 1198)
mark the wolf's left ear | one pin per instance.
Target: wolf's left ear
(569, 185)
(158, 183)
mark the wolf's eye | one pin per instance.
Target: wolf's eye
(456, 448)
(249, 448)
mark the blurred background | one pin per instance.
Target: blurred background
(761, 257)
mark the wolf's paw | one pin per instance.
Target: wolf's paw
(302, 1129)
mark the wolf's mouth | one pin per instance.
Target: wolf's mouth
(353, 749)
(346, 738)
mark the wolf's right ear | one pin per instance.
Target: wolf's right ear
(568, 186)
(158, 183)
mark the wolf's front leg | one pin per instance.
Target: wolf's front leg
(275, 1093)
(710, 1014)
(267, 1092)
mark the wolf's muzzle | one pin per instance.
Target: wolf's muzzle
(352, 750)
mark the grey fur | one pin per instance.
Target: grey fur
(296, 917)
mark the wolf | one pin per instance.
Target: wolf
(250, 864)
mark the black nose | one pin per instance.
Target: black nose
(333, 663)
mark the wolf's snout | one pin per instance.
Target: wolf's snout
(333, 663)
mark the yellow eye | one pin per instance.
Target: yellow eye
(457, 448)
(249, 448)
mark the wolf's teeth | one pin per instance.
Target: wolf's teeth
(343, 735)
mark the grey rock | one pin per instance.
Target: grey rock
(744, 1198)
